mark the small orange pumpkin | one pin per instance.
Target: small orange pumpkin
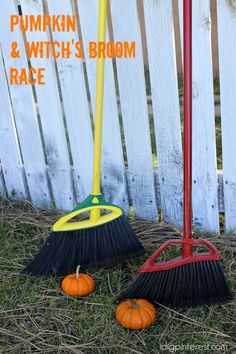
(136, 314)
(77, 284)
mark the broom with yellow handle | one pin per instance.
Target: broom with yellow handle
(103, 239)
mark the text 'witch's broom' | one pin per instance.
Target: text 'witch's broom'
(193, 278)
(103, 239)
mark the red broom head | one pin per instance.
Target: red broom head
(186, 281)
(152, 265)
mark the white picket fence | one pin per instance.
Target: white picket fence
(46, 136)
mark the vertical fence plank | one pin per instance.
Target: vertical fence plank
(3, 191)
(113, 171)
(164, 88)
(25, 113)
(51, 118)
(9, 149)
(227, 55)
(134, 110)
(205, 186)
(76, 104)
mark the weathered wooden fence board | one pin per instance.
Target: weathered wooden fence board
(132, 89)
(25, 113)
(113, 172)
(227, 56)
(164, 88)
(205, 187)
(51, 118)
(76, 105)
(3, 191)
(10, 153)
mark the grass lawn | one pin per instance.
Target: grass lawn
(36, 317)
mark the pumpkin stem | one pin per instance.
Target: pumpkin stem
(77, 272)
(134, 304)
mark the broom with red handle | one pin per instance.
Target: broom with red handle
(193, 278)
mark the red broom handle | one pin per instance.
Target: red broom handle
(187, 235)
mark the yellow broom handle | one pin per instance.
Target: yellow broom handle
(102, 19)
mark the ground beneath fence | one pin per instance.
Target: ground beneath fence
(36, 316)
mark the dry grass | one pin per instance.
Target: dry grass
(36, 317)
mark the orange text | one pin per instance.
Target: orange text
(24, 76)
(112, 49)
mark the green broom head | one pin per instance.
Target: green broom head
(100, 240)
(187, 281)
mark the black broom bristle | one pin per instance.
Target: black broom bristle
(94, 247)
(197, 283)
